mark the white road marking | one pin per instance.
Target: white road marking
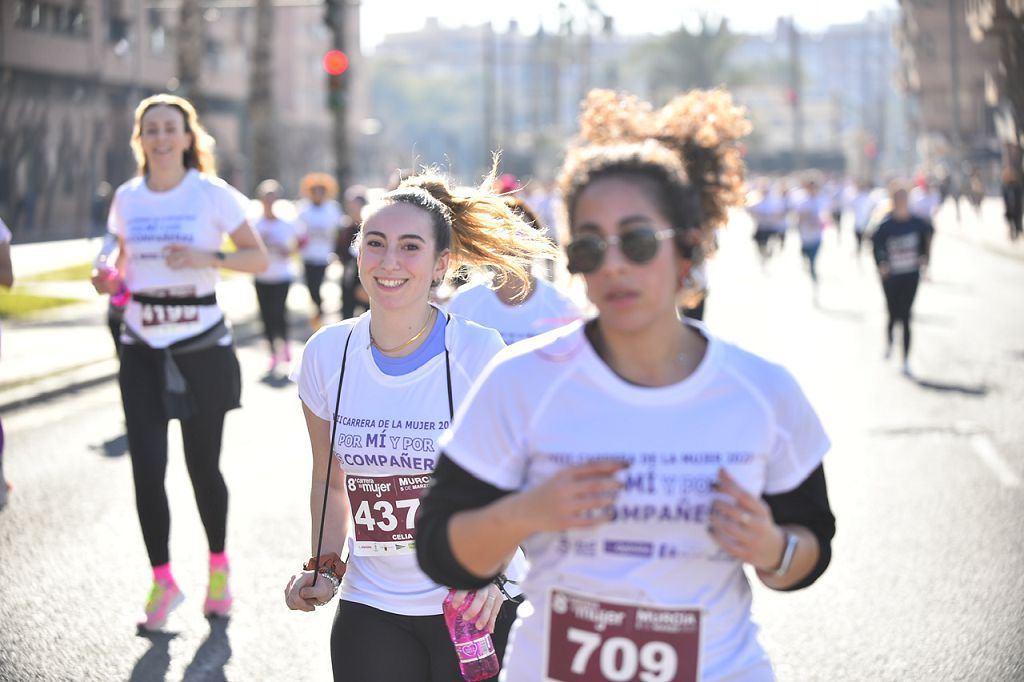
(987, 452)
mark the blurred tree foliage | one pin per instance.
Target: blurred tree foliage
(686, 58)
(428, 118)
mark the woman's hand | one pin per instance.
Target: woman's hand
(180, 256)
(742, 525)
(579, 496)
(484, 608)
(103, 283)
(301, 595)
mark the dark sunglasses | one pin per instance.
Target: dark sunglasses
(640, 245)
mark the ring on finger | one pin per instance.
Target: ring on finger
(745, 518)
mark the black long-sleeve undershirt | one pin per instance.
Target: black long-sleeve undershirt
(453, 489)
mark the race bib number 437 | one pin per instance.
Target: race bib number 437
(384, 512)
(591, 639)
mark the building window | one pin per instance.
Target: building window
(52, 18)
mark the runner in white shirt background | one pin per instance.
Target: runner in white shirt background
(272, 285)
(862, 200)
(319, 220)
(768, 209)
(809, 205)
(506, 309)
(640, 461)
(377, 391)
(177, 358)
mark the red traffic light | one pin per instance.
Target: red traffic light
(335, 62)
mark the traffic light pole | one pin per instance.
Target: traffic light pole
(335, 17)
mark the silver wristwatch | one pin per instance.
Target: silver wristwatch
(787, 555)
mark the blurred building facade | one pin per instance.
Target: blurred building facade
(944, 70)
(72, 72)
(841, 85)
(1002, 22)
(503, 89)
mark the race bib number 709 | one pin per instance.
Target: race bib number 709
(592, 639)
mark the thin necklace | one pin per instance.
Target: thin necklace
(388, 351)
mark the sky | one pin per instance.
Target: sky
(381, 17)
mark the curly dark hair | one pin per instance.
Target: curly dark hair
(686, 153)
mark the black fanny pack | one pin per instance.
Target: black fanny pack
(209, 299)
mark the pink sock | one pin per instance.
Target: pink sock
(218, 560)
(163, 574)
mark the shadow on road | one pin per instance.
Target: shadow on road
(936, 320)
(212, 655)
(841, 314)
(275, 380)
(115, 447)
(942, 387)
(152, 666)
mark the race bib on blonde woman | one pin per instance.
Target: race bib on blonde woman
(160, 319)
(594, 639)
(384, 512)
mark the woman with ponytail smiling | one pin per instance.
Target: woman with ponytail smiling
(377, 391)
(639, 460)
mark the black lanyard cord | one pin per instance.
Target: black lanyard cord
(330, 460)
(334, 433)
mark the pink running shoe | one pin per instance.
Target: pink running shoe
(286, 352)
(218, 596)
(163, 598)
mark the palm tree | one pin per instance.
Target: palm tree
(190, 51)
(261, 103)
(685, 59)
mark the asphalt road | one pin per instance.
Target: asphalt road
(924, 476)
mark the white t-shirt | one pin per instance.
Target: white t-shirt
(318, 226)
(863, 205)
(389, 426)
(809, 215)
(198, 213)
(279, 237)
(550, 402)
(547, 308)
(770, 212)
(924, 203)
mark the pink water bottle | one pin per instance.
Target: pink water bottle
(475, 649)
(119, 298)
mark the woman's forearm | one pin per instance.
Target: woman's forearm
(251, 259)
(482, 540)
(336, 527)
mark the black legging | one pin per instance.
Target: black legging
(272, 297)
(314, 280)
(371, 644)
(350, 286)
(209, 374)
(900, 291)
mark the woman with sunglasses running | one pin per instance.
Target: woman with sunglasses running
(177, 358)
(377, 391)
(641, 461)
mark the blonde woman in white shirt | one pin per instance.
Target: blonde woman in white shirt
(177, 358)
(640, 461)
(377, 391)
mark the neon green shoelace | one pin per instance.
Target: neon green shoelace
(218, 584)
(155, 595)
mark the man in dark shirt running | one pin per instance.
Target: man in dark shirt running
(901, 245)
